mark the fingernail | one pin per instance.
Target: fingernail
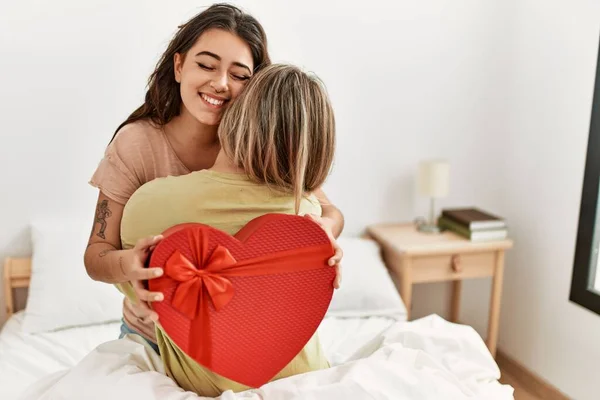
(331, 262)
(158, 297)
(158, 272)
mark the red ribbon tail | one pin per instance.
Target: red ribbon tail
(200, 330)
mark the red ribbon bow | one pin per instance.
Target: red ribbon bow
(191, 280)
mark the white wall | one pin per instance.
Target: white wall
(485, 84)
(539, 125)
(554, 51)
(408, 80)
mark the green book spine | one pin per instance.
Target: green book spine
(446, 223)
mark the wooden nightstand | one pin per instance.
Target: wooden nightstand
(415, 257)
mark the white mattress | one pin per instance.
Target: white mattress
(25, 358)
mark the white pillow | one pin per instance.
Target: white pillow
(367, 288)
(61, 294)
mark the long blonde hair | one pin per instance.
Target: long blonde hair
(281, 130)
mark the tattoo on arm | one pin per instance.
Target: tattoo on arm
(102, 212)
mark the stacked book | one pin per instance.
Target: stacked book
(474, 224)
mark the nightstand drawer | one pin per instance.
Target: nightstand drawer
(452, 267)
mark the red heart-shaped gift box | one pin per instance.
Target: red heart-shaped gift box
(244, 306)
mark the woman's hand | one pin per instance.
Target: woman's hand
(141, 318)
(134, 270)
(327, 225)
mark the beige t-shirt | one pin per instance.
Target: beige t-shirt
(139, 154)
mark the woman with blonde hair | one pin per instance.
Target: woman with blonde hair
(277, 148)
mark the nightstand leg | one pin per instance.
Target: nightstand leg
(406, 285)
(455, 300)
(494, 317)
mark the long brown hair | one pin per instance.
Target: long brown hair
(163, 98)
(281, 130)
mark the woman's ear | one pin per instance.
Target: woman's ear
(178, 64)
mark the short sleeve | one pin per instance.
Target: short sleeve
(121, 171)
(310, 205)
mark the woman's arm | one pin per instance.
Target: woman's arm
(104, 260)
(331, 213)
(332, 222)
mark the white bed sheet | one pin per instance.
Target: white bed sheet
(426, 359)
(26, 358)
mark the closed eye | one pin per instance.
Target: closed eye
(205, 67)
(240, 77)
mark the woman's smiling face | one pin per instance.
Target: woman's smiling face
(212, 73)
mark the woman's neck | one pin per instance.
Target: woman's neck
(224, 164)
(196, 144)
(188, 132)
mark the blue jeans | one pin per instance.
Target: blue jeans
(125, 330)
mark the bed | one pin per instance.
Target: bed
(24, 358)
(374, 352)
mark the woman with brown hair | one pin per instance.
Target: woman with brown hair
(205, 67)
